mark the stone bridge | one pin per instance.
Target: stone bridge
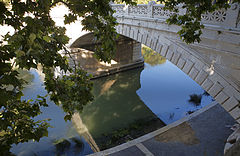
(214, 63)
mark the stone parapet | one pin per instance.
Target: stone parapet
(219, 18)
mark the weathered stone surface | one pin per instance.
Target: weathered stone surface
(204, 135)
(187, 67)
(231, 91)
(235, 113)
(207, 84)
(201, 77)
(139, 39)
(159, 47)
(169, 55)
(175, 58)
(193, 73)
(230, 104)
(133, 151)
(187, 136)
(164, 50)
(181, 63)
(221, 97)
(131, 33)
(215, 89)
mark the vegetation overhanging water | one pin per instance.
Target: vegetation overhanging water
(127, 105)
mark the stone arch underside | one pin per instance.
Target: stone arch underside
(127, 56)
(203, 72)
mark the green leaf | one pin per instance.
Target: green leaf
(19, 53)
(32, 37)
(67, 117)
(47, 38)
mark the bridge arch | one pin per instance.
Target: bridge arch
(204, 73)
(204, 61)
(186, 59)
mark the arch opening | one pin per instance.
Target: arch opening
(127, 56)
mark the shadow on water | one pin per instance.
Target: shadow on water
(118, 114)
(71, 146)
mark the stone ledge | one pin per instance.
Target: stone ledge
(154, 133)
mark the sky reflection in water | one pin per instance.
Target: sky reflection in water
(165, 89)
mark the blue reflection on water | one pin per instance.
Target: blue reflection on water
(60, 129)
(165, 89)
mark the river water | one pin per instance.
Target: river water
(127, 105)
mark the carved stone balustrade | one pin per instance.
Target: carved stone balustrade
(229, 19)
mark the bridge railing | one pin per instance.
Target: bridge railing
(229, 18)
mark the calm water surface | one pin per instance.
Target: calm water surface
(59, 132)
(166, 91)
(158, 94)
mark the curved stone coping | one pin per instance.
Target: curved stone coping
(148, 136)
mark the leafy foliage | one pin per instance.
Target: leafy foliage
(37, 40)
(151, 57)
